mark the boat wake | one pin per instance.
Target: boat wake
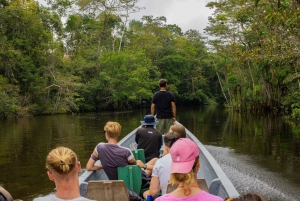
(246, 176)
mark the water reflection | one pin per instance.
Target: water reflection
(258, 153)
(267, 148)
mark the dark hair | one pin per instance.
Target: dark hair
(170, 138)
(247, 197)
(162, 82)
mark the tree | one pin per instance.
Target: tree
(123, 80)
(259, 39)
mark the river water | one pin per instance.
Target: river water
(259, 154)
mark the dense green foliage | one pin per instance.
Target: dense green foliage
(257, 43)
(99, 60)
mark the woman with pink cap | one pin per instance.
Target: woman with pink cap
(185, 165)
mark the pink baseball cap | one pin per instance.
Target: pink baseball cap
(183, 152)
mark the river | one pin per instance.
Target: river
(259, 153)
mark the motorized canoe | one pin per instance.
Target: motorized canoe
(216, 180)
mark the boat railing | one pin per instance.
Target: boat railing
(211, 171)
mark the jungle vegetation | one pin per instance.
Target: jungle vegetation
(86, 55)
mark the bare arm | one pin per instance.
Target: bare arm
(141, 164)
(150, 163)
(174, 111)
(152, 108)
(132, 161)
(154, 187)
(92, 166)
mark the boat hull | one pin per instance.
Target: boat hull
(210, 170)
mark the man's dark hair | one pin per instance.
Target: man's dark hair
(162, 82)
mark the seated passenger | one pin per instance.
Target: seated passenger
(177, 129)
(63, 167)
(180, 129)
(148, 138)
(184, 168)
(247, 197)
(110, 154)
(162, 168)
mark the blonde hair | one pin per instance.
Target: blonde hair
(113, 129)
(179, 129)
(62, 160)
(187, 179)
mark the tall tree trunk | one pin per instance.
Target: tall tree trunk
(123, 31)
(220, 83)
(251, 74)
(222, 87)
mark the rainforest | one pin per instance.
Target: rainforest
(72, 56)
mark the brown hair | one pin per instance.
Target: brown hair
(187, 179)
(247, 197)
(62, 160)
(170, 138)
(113, 129)
(179, 129)
(162, 82)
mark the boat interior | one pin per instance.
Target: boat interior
(211, 177)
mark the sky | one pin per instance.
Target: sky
(187, 14)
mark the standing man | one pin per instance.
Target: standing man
(164, 102)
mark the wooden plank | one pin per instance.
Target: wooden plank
(107, 190)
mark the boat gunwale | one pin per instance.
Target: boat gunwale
(226, 183)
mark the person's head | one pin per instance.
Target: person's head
(112, 129)
(178, 129)
(162, 82)
(247, 197)
(62, 162)
(185, 162)
(170, 138)
(149, 120)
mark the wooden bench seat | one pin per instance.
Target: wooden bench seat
(107, 190)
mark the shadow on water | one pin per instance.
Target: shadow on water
(258, 153)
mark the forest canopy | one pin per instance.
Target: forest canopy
(98, 59)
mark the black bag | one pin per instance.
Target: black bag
(145, 180)
(133, 196)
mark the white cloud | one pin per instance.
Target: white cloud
(187, 14)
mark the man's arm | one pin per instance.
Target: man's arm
(92, 166)
(154, 187)
(174, 111)
(152, 108)
(149, 166)
(132, 161)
